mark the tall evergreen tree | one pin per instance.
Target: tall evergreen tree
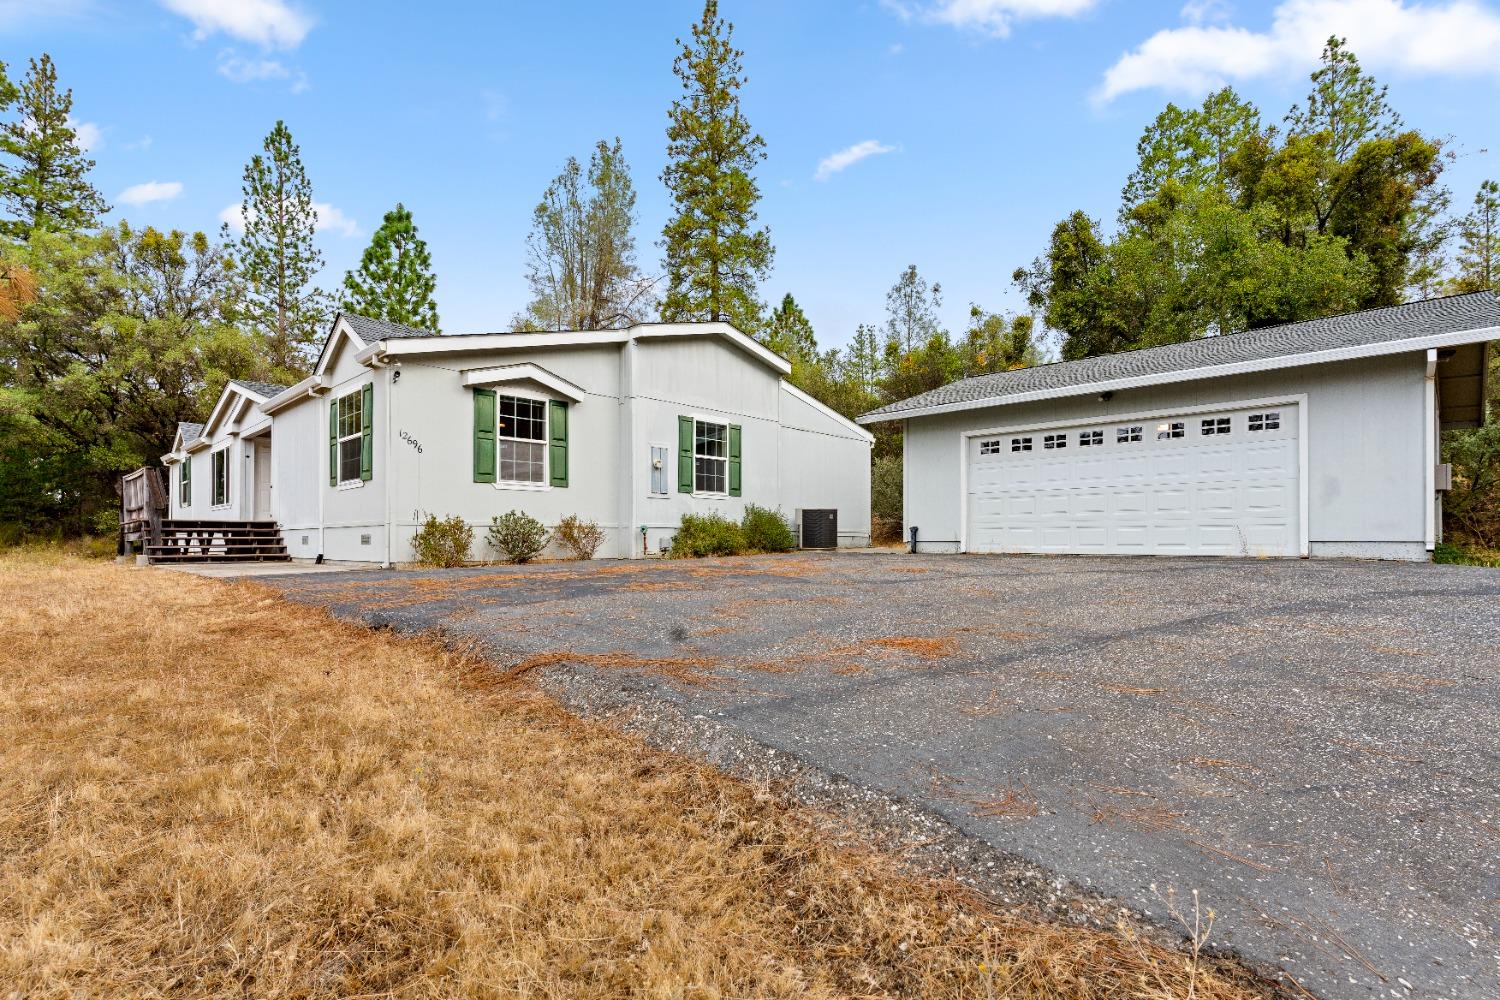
(45, 183)
(394, 280)
(581, 248)
(278, 257)
(1479, 243)
(911, 311)
(789, 333)
(714, 254)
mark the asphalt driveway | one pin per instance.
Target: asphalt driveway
(1310, 745)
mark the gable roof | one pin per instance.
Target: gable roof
(263, 389)
(189, 433)
(1454, 319)
(365, 331)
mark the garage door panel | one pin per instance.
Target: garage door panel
(1220, 488)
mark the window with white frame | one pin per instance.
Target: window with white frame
(1090, 439)
(990, 447)
(1020, 444)
(1265, 421)
(1127, 435)
(661, 456)
(1052, 441)
(710, 457)
(185, 483)
(1171, 429)
(221, 477)
(522, 438)
(1215, 425)
(351, 426)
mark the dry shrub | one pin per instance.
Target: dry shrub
(444, 543)
(579, 537)
(210, 792)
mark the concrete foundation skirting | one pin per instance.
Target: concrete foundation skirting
(1393, 551)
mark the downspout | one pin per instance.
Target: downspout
(626, 480)
(392, 372)
(1429, 451)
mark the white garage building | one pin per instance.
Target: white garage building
(1306, 439)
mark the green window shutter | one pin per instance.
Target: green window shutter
(333, 443)
(367, 434)
(684, 454)
(734, 460)
(186, 498)
(484, 435)
(557, 422)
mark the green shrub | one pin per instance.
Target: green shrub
(581, 538)
(1465, 555)
(444, 543)
(885, 488)
(707, 535)
(518, 536)
(766, 530)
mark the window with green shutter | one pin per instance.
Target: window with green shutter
(351, 434)
(185, 483)
(708, 457)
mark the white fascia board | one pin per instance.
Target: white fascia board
(1197, 374)
(218, 412)
(340, 329)
(828, 411)
(522, 373)
(465, 343)
(310, 386)
(748, 344)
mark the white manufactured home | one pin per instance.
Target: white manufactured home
(1317, 438)
(629, 428)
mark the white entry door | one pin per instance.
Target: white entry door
(263, 479)
(1217, 483)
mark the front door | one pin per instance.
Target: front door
(263, 478)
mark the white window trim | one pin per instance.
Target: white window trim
(709, 494)
(1299, 400)
(213, 479)
(356, 482)
(519, 485)
(185, 465)
(665, 494)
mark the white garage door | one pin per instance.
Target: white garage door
(1220, 483)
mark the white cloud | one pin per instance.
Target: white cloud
(272, 23)
(1448, 37)
(238, 69)
(144, 194)
(144, 142)
(332, 219)
(990, 17)
(846, 158)
(329, 218)
(90, 136)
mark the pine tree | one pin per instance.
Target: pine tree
(789, 333)
(278, 258)
(46, 185)
(1479, 243)
(394, 280)
(714, 256)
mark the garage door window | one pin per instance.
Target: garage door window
(1127, 435)
(991, 447)
(1167, 431)
(1090, 439)
(1020, 444)
(1216, 425)
(1052, 441)
(1265, 421)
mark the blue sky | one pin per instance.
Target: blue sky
(981, 122)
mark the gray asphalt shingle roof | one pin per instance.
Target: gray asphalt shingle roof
(189, 432)
(1451, 314)
(267, 389)
(371, 330)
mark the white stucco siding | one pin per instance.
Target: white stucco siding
(1363, 421)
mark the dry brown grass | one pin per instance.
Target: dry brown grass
(208, 792)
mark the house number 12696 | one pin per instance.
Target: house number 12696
(412, 441)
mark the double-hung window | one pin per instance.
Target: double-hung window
(523, 440)
(350, 422)
(221, 477)
(185, 483)
(710, 457)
